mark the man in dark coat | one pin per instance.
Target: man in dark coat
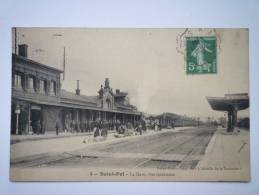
(57, 127)
(38, 127)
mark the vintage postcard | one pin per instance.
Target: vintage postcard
(110, 104)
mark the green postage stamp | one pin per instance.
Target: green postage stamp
(201, 55)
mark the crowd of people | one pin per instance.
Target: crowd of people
(126, 128)
(101, 127)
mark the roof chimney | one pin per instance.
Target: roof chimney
(23, 50)
(77, 90)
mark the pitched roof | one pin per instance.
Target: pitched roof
(167, 114)
(71, 99)
(67, 96)
(124, 106)
(34, 63)
(120, 94)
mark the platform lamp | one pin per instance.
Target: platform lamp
(17, 112)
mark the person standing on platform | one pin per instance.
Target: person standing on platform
(172, 124)
(38, 127)
(57, 127)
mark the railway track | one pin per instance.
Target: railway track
(187, 159)
(189, 149)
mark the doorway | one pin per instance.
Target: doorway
(36, 122)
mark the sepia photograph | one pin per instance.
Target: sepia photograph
(130, 104)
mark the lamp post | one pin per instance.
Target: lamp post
(17, 112)
(64, 54)
(198, 120)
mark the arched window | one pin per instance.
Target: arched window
(43, 86)
(108, 103)
(18, 80)
(31, 83)
(53, 88)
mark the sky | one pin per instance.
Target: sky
(146, 63)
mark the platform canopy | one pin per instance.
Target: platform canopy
(230, 103)
(238, 101)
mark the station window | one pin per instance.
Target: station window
(18, 80)
(53, 88)
(31, 83)
(109, 104)
(43, 86)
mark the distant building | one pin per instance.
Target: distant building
(168, 120)
(39, 103)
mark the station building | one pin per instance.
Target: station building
(169, 120)
(37, 99)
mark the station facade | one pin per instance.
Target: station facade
(39, 103)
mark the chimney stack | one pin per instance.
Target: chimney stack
(23, 50)
(77, 90)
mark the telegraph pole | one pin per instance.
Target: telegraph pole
(64, 62)
(64, 54)
(15, 41)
